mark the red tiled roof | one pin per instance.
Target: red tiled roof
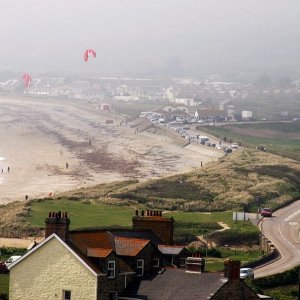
(98, 252)
(91, 239)
(129, 246)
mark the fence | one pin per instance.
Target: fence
(7, 232)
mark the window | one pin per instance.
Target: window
(140, 267)
(156, 262)
(113, 296)
(182, 262)
(66, 295)
(111, 269)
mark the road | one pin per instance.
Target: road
(283, 230)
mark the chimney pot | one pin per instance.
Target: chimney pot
(232, 269)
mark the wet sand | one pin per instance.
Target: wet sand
(39, 136)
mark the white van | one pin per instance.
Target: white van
(12, 259)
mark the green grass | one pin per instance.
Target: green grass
(217, 264)
(81, 214)
(199, 217)
(4, 282)
(283, 292)
(280, 138)
(213, 217)
(133, 110)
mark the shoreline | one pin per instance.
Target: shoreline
(55, 145)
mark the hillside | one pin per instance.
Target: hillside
(232, 182)
(281, 138)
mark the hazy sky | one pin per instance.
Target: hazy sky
(142, 35)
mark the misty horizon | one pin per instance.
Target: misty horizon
(143, 37)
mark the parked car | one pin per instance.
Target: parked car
(12, 259)
(246, 273)
(228, 150)
(266, 212)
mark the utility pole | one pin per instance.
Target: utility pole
(258, 205)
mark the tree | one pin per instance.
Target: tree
(263, 81)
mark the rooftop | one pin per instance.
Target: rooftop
(176, 284)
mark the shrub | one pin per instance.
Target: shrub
(232, 237)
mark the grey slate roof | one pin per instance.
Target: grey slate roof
(176, 284)
(170, 250)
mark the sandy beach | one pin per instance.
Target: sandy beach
(54, 145)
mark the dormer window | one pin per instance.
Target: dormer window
(111, 269)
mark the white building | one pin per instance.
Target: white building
(246, 114)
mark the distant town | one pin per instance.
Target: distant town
(211, 100)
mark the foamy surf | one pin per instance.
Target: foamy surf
(2, 158)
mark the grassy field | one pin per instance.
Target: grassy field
(188, 225)
(4, 279)
(279, 138)
(81, 214)
(231, 183)
(217, 264)
(133, 109)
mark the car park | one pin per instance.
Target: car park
(266, 212)
(246, 273)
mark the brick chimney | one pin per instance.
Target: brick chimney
(57, 222)
(163, 227)
(195, 264)
(232, 269)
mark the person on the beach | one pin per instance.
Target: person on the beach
(8, 169)
(67, 165)
(26, 197)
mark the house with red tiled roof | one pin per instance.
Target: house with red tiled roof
(141, 263)
(105, 261)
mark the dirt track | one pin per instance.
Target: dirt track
(39, 136)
